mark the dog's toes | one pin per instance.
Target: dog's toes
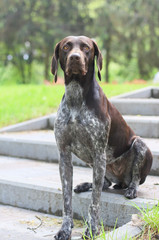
(86, 234)
(83, 187)
(131, 193)
(90, 233)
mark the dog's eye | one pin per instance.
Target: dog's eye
(86, 48)
(66, 47)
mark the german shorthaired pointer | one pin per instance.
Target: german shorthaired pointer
(89, 126)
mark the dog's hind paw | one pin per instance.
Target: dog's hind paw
(83, 187)
(131, 193)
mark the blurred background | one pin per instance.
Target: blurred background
(127, 32)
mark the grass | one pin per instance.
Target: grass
(150, 219)
(22, 102)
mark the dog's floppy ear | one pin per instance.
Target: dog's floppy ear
(54, 63)
(99, 59)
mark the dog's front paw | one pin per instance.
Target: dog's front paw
(89, 234)
(131, 193)
(63, 234)
(91, 231)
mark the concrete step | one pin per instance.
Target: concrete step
(36, 185)
(17, 223)
(144, 126)
(137, 106)
(41, 145)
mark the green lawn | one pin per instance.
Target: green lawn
(22, 102)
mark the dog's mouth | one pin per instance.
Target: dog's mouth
(76, 69)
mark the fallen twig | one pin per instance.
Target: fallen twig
(35, 228)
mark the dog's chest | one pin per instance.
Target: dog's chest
(78, 127)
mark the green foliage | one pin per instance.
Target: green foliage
(127, 33)
(22, 102)
(150, 216)
(11, 75)
(19, 103)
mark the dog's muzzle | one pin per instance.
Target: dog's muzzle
(75, 64)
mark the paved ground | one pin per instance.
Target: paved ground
(16, 223)
(47, 175)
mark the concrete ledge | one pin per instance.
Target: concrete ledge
(45, 122)
(47, 151)
(23, 148)
(127, 231)
(147, 92)
(141, 93)
(155, 164)
(49, 200)
(145, 107)
(144, 126)
(32, 149)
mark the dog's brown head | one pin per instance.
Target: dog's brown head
(76, 55)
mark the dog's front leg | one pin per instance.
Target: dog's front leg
(66, 173)
(99, 168)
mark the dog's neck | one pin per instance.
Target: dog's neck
(77, 88)
(74, 94)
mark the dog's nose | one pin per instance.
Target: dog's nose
(75, 57)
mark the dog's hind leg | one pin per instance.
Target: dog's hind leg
(141, 166)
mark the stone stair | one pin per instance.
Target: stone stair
(41, 145)
(29, 175)
(35, 185)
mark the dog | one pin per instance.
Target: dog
(89, 126)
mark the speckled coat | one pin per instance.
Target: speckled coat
(89, 126)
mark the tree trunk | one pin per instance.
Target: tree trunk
(47, 65)
(140, 58)
(22, 70)
(107, 47)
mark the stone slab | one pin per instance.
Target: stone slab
(126, 231)
(36, 185)
(40, 123)
(134, 106)
(41, 145)
(144, 126)
(17, 223)
(140, 93)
